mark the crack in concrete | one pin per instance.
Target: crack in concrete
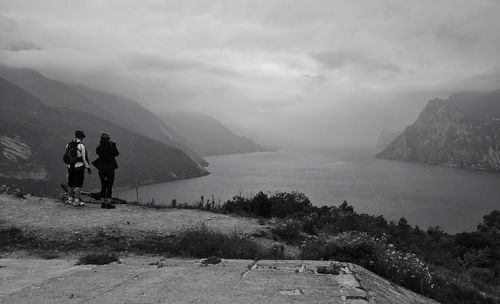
(352, 298)
(250, 268)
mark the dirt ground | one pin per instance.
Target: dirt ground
(48, 214)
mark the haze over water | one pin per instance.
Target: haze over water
(455, 199)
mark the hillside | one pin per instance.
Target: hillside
(33, 137)
(461, 131)
(207, 135)
(115, 109)
(49, 237)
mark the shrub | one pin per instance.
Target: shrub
(200, 241)
(374, 254)
(288, 203)
(287, 229)
(211, 260)
(12, 237)
(19, 193)
(281, 204)
(98, 259)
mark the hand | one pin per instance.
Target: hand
(89, 171)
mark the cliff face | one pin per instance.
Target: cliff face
(451, 133)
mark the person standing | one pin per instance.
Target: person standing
(77, 161)
(106, 164)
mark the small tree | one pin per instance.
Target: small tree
(491, 223)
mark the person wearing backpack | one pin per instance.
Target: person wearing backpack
(76, 159)
(106, 164)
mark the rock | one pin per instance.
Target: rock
(450, 135)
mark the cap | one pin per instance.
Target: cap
(79, 134)
(105, 136)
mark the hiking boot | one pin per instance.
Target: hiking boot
(78, 204)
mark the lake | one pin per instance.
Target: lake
(455, 199)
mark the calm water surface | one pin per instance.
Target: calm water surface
(454, 199)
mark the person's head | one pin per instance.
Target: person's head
(79, 134)
(105, 138)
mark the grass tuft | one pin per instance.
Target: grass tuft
(199, 241)
(95, 258)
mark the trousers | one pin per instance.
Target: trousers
(107, 179)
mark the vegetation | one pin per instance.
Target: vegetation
(199, 241)
(460, 268)
(96, 258)
(451, 268)
(196, 241)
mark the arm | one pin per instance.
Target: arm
(107, 152)
(115, 150)
(84, 156)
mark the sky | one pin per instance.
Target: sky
(329, 72)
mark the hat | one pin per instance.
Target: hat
(79, 134)
(105, 136)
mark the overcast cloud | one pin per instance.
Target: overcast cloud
(330, 71)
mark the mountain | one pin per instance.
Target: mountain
(118, 110)
(207, 135)
(33, 136)
(461, 131)
(385, 137)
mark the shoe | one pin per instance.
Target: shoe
(69, 201)
(111, 206)
(103, 205)
(78, 204)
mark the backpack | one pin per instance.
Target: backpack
(70, 156)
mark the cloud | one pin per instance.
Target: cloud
(18, 46)
(162, 63)
(318, 78)
(452, 33)
(303, 67)
(353, 58)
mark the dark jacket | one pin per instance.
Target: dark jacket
(107, 153)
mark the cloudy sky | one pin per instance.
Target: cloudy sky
(331, 71)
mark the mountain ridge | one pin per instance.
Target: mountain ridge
(33, 136)
(208, 136)
(461, 131)
(119, 110)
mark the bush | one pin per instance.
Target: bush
(374, 254)
(12, 237)
(98, 259)
(287, 229)
(281, 204)
(199, 241)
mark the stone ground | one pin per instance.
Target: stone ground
(155, 280)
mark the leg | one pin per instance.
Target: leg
(77, 193)
(78, 183)
(102, 177)
(71, 192)
(111, 180)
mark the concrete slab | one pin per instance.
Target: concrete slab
(138, 280)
